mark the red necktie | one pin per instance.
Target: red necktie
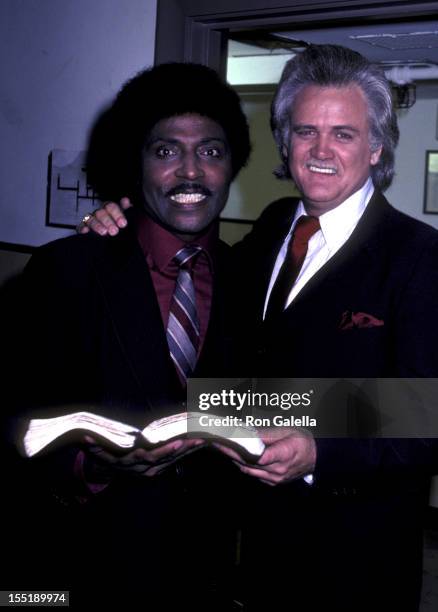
(296, 253)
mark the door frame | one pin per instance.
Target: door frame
(197, 30)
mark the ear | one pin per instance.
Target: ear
(375, 156)
(284, 151)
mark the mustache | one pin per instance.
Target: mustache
(189, 188)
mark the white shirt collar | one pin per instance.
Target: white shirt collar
(338, 224)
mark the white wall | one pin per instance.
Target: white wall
(62, 60)
(418, 133)
(256, 185)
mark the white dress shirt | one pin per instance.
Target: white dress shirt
(337, 225)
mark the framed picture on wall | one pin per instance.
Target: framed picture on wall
(431, 183)
(69, 196)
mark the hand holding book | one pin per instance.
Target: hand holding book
(113, 445)
(182, 428)
(290, 455)
(147, 462)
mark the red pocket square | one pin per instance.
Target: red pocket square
(352, 320)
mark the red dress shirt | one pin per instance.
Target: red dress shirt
(159, 247)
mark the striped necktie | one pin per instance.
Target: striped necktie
(183, 324)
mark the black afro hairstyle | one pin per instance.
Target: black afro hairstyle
(118, 136)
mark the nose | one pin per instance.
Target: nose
(190, 167)
(321, 148)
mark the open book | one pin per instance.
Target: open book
(42, 432)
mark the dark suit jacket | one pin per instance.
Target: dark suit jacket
(388, 268)
(95, 319)
(368, 494)
(89, 331)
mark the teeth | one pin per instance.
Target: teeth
(322, 170)
(188, 198)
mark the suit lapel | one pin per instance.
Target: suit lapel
(131, 301)
(366, 237)
(214, 357)
(274, 240)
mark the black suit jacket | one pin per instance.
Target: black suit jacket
(88, 332)
(388, 268)
(359, 528)
(95, 327)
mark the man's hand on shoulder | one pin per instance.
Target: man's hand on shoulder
(107, 220)
(290, 454)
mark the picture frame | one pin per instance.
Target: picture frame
(69, 196)
(431, 184)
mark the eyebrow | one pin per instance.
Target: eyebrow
(298, 126)
(170, 140)
(346, 127)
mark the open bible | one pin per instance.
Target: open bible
(42, 432)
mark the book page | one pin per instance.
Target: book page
(41, 432)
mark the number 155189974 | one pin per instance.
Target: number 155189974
(32, 598)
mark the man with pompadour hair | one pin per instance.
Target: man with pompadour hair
(362, 304)
(333, 65)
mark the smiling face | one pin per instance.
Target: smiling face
(186, 173)
(329, 151)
